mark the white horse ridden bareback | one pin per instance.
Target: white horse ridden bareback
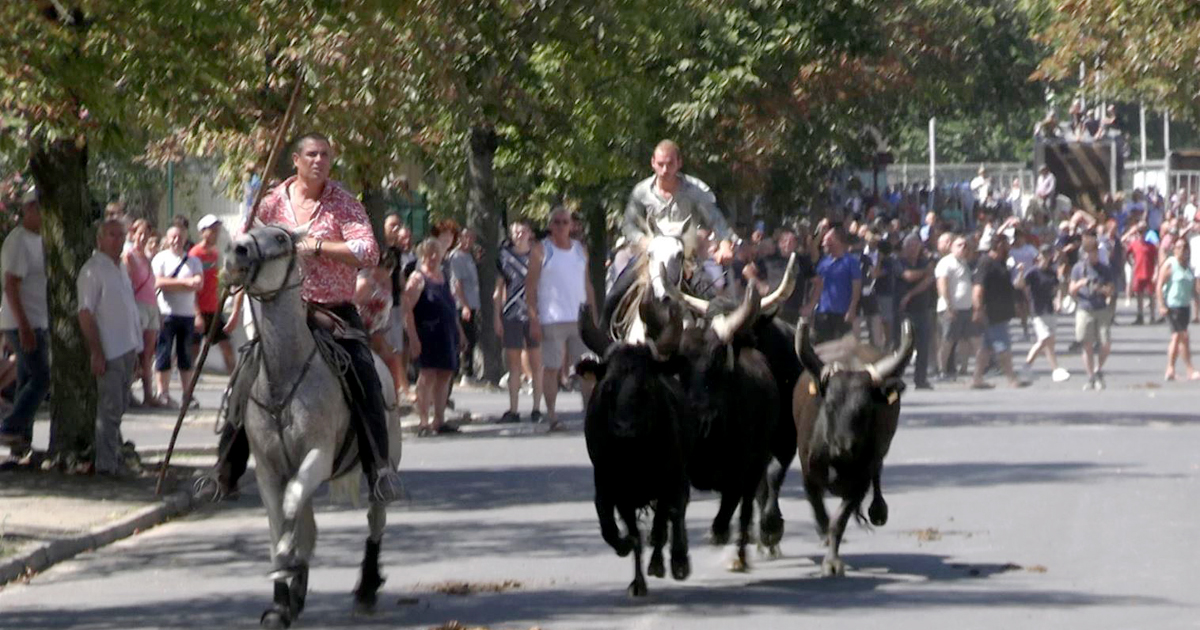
(298, 424)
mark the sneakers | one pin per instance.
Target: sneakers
(1059, 375)
(1095, 382)
(1099, 380)
(509, 417)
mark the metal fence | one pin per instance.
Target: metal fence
(1002, 173)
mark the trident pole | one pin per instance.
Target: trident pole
(211, 333)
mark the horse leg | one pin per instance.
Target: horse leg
(306, 535)
(658, 539)
(315, 469)
(637, 588)
(279, 615)
(366, 593)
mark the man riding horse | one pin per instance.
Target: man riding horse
(339, 241)
(659, 233)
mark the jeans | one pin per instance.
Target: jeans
(112, 390)
(922, 327)
(33, 381)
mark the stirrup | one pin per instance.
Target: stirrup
(208, 488)
(388, 486)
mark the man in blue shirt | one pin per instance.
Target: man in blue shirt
(836, 288)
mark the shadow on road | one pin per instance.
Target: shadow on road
(933, 419)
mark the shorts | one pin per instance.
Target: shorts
(1179, 318)
(220, 334)
(1142, 286)
(1093, 327)
(517, 335)
(561, 345)
(996, 338)
(394, 335)
(1043, 325)
(957, 325)
(150, 317)
(176, 331)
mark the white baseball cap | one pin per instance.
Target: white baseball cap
(207, 221)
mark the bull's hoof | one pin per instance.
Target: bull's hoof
(878, 513)
(681, 567)
(637, 588)
(624, 547)
(833, 567)
(770, 531)
(656, 568)
(718, 537)
(276, 618)
(772, 552)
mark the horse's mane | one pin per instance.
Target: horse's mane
(627, 308)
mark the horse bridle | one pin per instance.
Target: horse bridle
(257, 262)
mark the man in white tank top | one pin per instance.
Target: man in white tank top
(557, 285)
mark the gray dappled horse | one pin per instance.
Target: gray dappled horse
(298, 423)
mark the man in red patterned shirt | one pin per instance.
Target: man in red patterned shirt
(339, 242)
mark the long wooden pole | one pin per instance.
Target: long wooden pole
(210, 334)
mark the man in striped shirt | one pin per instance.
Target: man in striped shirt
(512, 319)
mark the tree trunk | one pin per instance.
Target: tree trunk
(597, 230)
(484, 220)
(374, 200)
(60, 171)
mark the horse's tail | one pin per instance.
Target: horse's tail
(346, 490)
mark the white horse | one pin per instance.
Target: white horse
(298, 422)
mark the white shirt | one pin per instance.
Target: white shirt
(1194, 247)
(560, 288)
(958, 283)
(105, 289)
(176, 302)
(981, 188)
(23, 257)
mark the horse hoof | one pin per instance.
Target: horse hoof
(656, 568)
(298, 590)
(681, 567)
(770, 532)
(833, 568)
(637, 588)
(275, 619)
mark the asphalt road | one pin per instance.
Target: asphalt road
(1047, 507)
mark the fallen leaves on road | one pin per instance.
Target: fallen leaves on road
(454, 625)
(932, 534)
(454, 587)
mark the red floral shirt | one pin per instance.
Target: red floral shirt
(338, 217)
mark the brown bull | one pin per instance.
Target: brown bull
(846, 407)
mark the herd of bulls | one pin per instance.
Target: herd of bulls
(721, 396)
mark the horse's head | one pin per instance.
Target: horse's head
(666, 250)
(263, 259)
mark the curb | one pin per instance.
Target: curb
(47, 554)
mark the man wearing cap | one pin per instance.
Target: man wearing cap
(207, 308)
(24, 319)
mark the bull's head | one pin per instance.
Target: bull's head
(879, 374)
(767, 304)
(853, 400)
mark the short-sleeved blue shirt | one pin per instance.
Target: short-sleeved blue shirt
(838, 276)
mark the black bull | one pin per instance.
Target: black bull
(845, 416)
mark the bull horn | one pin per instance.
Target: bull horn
(696, 304)
(785, 288)
(726, 326)
(594, 338)
(804, 350)
(894, 363)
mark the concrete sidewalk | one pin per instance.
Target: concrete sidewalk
(49, 516)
